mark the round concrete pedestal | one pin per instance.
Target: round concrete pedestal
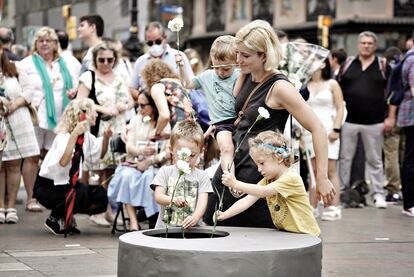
(244, 252)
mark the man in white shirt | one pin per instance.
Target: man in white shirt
(90, 30)
(156, 39)
(72, 62)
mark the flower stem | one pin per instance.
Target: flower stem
(169, 207)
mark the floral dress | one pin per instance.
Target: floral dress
(109, 94)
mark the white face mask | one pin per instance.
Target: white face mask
(156, 50)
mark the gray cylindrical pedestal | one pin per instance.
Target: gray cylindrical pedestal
(244, 252)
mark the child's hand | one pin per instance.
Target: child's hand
(189, 221)
(179, 59)
(180, 202)
(218, 215)
(228, 179)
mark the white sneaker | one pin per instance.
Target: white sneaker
(99, 219)
(315, 212)
(379, 201)
(332, 213)
(409, 212)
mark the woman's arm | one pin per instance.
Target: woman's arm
(158, 95)
(284, 95)
(339, 104)
(83, 91)
(17, 103)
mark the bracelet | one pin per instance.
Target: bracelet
(337, 130)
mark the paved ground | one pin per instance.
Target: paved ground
(367, 242)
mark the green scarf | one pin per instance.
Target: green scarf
(47, 86)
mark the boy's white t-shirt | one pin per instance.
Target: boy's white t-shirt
(194, 183)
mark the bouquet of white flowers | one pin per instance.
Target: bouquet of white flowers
(301, 60)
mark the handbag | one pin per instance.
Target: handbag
(33, 115)
(240, 114)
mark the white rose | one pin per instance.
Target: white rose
(183, 153)
(175, 24)
(146, 119)
(183, 167)
(263, 113)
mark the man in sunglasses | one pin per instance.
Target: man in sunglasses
(156, 40)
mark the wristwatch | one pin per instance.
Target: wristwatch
(337, 130)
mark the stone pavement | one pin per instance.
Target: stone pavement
(366, 242)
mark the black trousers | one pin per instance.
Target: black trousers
(89, 199)
(407, 171)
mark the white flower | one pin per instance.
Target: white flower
(263, 113)
(146, 119)
(183, 167)
(183, 153)
(175, 24)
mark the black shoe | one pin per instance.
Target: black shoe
(74, 231)
(53, 225)
(393, 198)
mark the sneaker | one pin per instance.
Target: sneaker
(315, 212)
(99, 219)
(54, 225)
(393, 198)
(379, 201)
(332, 213)
(408, 212)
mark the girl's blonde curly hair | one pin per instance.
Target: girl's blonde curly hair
(71, 115)
(271, 144)
(156, 70)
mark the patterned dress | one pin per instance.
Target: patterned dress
(21, 139)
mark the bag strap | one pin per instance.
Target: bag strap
(241, 112)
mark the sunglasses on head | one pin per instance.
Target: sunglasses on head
(108, 60)
(151, 42)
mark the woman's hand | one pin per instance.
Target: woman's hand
(147, 150)
(111, 111)
(121, 107)
(228, 179)
(81, 128)
(144, 164)
(180, 202)
(108, 131)
(70, 93)
(333, 136)
(325, 190)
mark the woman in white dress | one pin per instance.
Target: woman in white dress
(47, 83)
(21, 139)
(327, 102)
(112, 100)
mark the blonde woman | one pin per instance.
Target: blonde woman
(258, 54)
(52, 183)
(47, 83)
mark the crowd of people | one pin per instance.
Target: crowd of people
(62, 118)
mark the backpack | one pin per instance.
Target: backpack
(382, 63)
(395, 83)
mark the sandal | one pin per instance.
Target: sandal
(11, 215)
(33, 206)
(2, 215)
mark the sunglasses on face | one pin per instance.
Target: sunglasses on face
(151, 42)
(108, 60)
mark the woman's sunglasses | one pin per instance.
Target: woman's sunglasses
(151, 42)
(108, 60)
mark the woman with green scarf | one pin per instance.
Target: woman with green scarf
(46, 81)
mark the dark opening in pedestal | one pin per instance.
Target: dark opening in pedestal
(177, 233)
